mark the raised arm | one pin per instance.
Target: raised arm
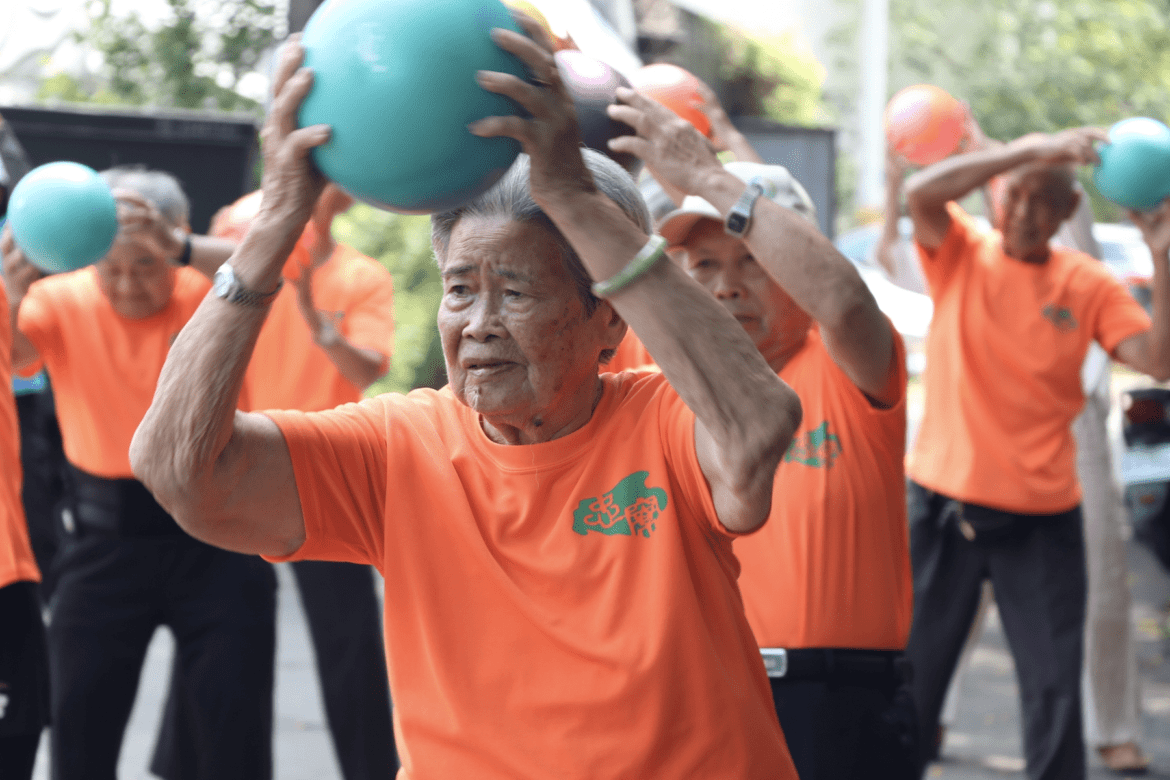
(723, 132)
(789, 247)
(1149, 352)
(890, 239)
(745, 416)
(928, 191)
(19, 274)
(360, 366)
(225, 476)
(139, 216)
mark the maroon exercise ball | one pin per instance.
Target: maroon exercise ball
(592, 84)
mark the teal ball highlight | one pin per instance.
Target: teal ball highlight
(1135, 165)
(396, 82)
(63, 216)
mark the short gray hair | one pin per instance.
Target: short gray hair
(511, 197)
(159, 187)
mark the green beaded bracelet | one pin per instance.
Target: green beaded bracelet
(647, 257)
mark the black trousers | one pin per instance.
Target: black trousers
(840, 728)
(345, 625)
(1039, 579)
(43, 462)
(111, 596)
(24, 679)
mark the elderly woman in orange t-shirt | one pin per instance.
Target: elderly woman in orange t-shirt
(560, 588)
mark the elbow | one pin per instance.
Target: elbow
(156, 464)
(769, 442)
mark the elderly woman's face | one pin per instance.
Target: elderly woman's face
(136, 280)
(516, 339)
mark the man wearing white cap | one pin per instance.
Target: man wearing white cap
(826, 582)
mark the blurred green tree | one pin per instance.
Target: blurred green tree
(1026, 65)
(196, 58)
(403, 245)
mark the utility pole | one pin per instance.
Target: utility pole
(875, 30)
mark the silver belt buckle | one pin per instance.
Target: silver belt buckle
(775, 661)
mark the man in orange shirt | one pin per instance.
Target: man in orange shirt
(328, 337)
(24, 664)
(993, 491)
(826, 583)
(126, 567)
(560, 586)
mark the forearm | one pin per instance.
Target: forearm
(179, 448)
(361, 367)
(1158, 340)
(24, 352)
(890, 237)
(955, 177)
(737, 399)
(209, 253)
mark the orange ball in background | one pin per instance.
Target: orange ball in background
(675, 88)
(925, 124)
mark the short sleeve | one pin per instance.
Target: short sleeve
(1119, 315)
(677, 426)
(39, 322)
(938, 266)
(369, 322)
(339, 461)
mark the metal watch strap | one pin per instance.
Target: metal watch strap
(251, 297)
(739, 218)
(237, 293)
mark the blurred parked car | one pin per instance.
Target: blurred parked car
(909, 311)
(1128, 257)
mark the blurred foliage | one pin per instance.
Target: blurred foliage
(403, 245)
(771, 77)
(195, 59)
(1027, 65)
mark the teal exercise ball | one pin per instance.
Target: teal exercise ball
(63, 216)
(1135, 165)
(396, 81)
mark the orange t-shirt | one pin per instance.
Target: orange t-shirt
(104, 367)
(1003, 368)
(16, 558)
(630, 355)
(565, 609)
(831, 567)
(289, 371)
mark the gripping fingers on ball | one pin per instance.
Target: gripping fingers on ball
(540, 60)
(508, 126)
(533, 97)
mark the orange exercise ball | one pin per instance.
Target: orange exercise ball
(675, 88)
(925, 124)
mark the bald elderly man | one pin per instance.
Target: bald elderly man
(993, 492)
(125, 567)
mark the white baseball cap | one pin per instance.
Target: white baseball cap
(785, 189)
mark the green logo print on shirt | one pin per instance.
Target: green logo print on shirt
(819, 448)
(629, 509)
(1059, 316)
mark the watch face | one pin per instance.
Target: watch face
(736, 223)
(221, 285)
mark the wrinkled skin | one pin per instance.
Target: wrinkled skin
(725, 266)
(519, 348)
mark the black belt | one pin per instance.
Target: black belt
(117, 507)
(837, 664)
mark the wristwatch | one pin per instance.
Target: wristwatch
(739, 219)
(225, 285)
